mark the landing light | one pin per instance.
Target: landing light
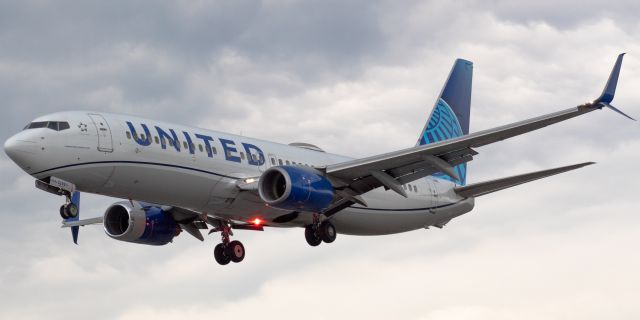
(250, 180)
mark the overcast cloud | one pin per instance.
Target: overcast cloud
(356, 78)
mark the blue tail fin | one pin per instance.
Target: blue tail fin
(450, 116)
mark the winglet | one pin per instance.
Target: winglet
(617, 110)
(610, 88)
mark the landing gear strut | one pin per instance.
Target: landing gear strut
(319, 232)
(228, 250)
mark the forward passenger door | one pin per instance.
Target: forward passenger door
(105, 140)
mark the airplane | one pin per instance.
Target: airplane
(178, 178)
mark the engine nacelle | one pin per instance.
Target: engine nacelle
(295, 188)
(147, 225)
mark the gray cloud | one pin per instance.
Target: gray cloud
(356, 78)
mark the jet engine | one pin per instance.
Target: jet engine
(144, 225)
(295, 188)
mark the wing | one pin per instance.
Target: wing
(393, 169)
(442, 156)
(81, 223)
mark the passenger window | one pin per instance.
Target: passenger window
(254, 157)
(288, 163)
(242, 155)
(280, 161)
(184, 144)
(128, 135)
(156, 139)
(273, 161)
(404, 186)
(415, 189)
(142, 137)
(215, 151)
(200, 148)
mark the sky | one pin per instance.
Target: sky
(356, 78)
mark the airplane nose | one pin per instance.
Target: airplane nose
(11, 147)
(20, 150)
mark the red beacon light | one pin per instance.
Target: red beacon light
(257, 221)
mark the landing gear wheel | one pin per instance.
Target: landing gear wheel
(71, 210)
(312, 238)
(219, 253)
(235, 251)
(327, 232)
(63, 212)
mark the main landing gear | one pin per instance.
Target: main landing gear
(228, 250)
(69, 209)
(319, 232)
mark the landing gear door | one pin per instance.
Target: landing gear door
(105, 140)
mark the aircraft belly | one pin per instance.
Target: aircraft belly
(377, 222)
(247, 206)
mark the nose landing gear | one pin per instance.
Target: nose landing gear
(69, 210)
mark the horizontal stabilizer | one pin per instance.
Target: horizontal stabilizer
(482, 188)
(82, 223)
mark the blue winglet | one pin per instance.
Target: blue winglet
(75, 199)
(610, 89)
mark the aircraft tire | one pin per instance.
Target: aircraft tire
(235, 251)
(220, 255)
(63, 212)
(71, 210)
(328, 232)
(311, 237)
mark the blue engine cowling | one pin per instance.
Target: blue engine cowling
(144, 225)
(295, 188)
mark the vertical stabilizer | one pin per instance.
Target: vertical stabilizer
(450, 116)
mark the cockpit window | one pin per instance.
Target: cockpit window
(35, 125)
(53, 125)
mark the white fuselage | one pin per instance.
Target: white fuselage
(101, 154)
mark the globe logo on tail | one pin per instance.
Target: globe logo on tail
(443, 125)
